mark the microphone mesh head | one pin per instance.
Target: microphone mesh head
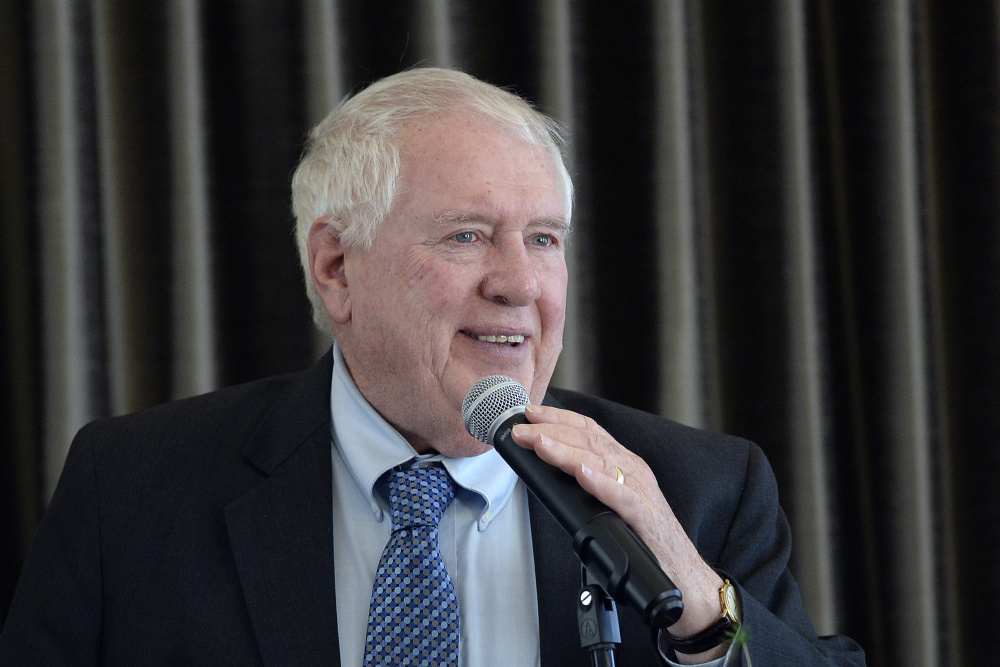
(488, 399)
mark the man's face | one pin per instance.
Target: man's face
(471, 252)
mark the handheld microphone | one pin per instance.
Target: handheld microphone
(611, 551)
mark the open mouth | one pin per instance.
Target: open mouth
(512, 340)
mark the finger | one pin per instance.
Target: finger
(568, 457)
(563, 447)
(570, 449)
(636, 499)
(569, 440)
(544, 414)
(568, 427)
(596, 441)
(618, 474)
(607, 489)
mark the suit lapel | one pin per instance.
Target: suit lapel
(557, 583)
(281, 531)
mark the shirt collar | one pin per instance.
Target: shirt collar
(370, 446)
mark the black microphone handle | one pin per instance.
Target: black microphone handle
(611, 551)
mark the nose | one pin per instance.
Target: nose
(511, 278)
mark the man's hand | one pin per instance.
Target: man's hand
(580, 447)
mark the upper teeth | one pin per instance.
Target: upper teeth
(517, 338)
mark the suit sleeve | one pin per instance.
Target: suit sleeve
(755, 553)
(55, 615)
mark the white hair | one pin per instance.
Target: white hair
(349, 171)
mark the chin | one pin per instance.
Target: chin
(537, 389)
(475, 449)
(468, 447)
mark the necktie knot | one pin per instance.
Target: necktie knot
(419, 497)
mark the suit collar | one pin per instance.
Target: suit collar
(281, 531)
(298, 411)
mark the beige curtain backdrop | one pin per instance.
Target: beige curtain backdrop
(788, 228)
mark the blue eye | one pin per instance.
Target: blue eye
(465, 237)
(542, 240)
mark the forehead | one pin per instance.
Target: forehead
(458, 133)
(467, 154)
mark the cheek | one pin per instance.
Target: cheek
(418, 273)
(436, 288)
(552, 305)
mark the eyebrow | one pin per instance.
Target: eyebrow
(454, 216)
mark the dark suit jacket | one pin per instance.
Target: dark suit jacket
(200, 532)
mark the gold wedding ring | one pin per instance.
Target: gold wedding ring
(619, 475)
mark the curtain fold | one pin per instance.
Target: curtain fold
(194, 367)
(787, 227)
(21, 488)
(74, 382)
(961, 63)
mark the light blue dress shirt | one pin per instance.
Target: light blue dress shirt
(487, 524)
(485, 535)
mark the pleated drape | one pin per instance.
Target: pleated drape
(787, 227)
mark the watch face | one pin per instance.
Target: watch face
(732, 604)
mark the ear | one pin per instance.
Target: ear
(326, 261)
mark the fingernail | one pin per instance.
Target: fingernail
(585, 469)
(533, 409)
(520, 430)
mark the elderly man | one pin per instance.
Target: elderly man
(344, 514)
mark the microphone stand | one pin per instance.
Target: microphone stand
(597, 619)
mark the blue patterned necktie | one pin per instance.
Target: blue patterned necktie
(413, 618)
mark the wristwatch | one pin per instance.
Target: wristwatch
(714, 634)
